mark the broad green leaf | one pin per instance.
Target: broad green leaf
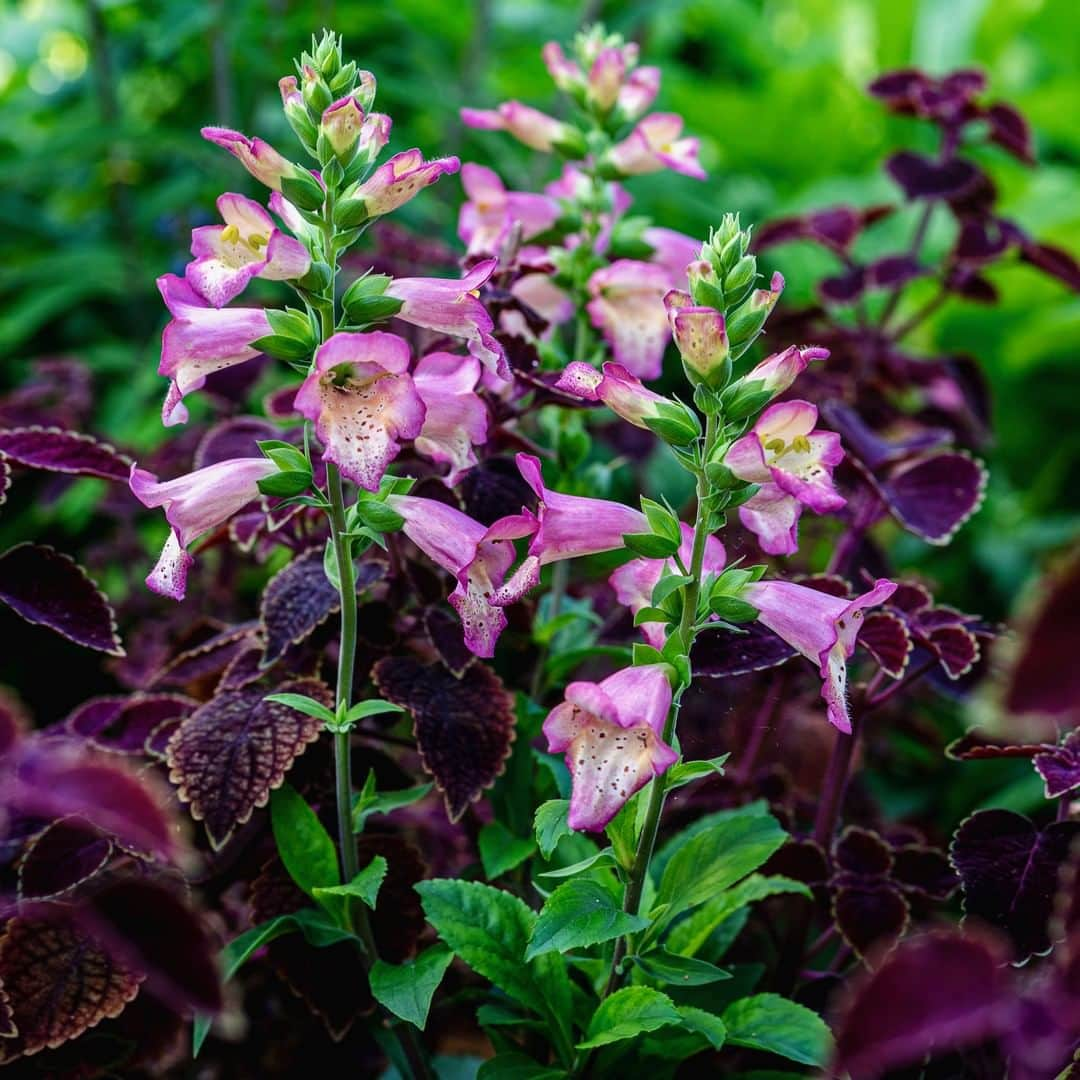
(514, 1066)
(758, 808)
(668, 967)
(686, 772)
(304, 845)
(302, 703)
(365, 885)
(492, 1015)
(363, 709)
(704, 1023)
(550, 825)
(501, 850)
(779, 1026)
(578, 914)
(629, 1012)
(597, 861)
(407, 989)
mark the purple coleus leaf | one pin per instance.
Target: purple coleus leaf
(1052, 260)
(205, 661)
(237, 437)
(62, 856)
(933, 496)
(921, 177)
(61, 451)
(979, 745)
(1010, 871)
(885, 637)
(296, 600)
(233, 751)
(49, 588)
(1060, 767)
(868, 913)
(870, 447)
(444, 633)
(721, 655)
(122, 725)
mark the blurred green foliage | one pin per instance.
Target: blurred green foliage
(104, 174)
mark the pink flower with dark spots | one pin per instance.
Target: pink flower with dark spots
(777, 372)
(455, 419)
(701, 338)
(397, 180)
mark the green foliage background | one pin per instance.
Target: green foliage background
(104, 174)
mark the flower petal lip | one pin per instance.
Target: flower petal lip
(258, 157)
(616, 387)
(456, 418)
(398, 179)
(627, 307)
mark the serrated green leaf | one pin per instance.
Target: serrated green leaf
(501, 850)
(304, 845)
(627, 1013)
(704, 1023)
(407, 989)
(686, 772)
(578, 914)
(778, 1025)
(365, 886)
(302, 703)
(549, 825)
(669, 967)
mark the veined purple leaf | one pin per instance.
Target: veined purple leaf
(233, 438)
(924, 871)
(923, 178)
(157, 742)
(55, 450)
(49, 588)
(885, 636)
(868, 912)
(933, 496)
(979, 745)
(1060, 767)
(206, 660)
(870, 447)
(803, 860)
(233, 751)
(444, 633)
(61, 856)
(295, 601)
(123, 725)
(721, 654)
(957, 649)
(245, 668)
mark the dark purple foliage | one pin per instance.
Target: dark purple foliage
(60, 451)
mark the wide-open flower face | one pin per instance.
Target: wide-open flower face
(362, 401)
(616, 387)
(398, 179)
(627, 307)
(450, 306)
(478, 556)
(612, 735)
(821, 627)
(456, 419)
(195, 504)
(248, 245)
(491, 212)
(258, 157)
(200, 340)
(654, 144)
(634, 581)
(526, 124)
(571, 526)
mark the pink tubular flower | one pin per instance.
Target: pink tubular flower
(200, 340)
(616, 387)
(478, 556)
(258, 157)
(362, 401)
(628, 309)
(398, 179)
(491, 212)
(673, 251)
(342, 122)
(564, 72)
(570, 526)
(526, 124)
(639, 91)
(605, 78)
(456, 419)
(700, 335)
(450, 306)
(634, 581)
(248, 245)
(612, 735)
(195, 504)
(822, 627)
(777, 372)
(654, 144)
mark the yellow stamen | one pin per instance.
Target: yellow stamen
(776, 445)
(801, 443)
(230, 234)
(257, 240)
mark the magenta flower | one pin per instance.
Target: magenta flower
(605, 79)
(634, 581)
(777, 372)
(491, 212)
(478, 556)
(616, 387)
(627, 307)
(200, 340)
(783, 451)
(526, 124)
(195, 504)
(654, 144)
(248, 245)
(612, 735)
(450, 306)
(638, 91)
(672, 250)
(258, 157)
(456, 419)
(363, 402)
(398, 179)
(820, 626)
(570, 526)
(701, 337)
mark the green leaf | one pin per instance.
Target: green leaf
(649, 545)
(302, 703)
(777, 1025)
(652, 615)
(599, 860)
(686, 772)
(363, 709)
(550, 825)
(732, 609)
(282, 347)
(378, 516)
(285, 484)
(704, 1023)
(365, 885)
(669, 967)
(629, 1012)
(501, 850)
(516, 1066)
(369, 801)
(304, 845)
(662, 521)
(407, 989)
(577, 914)
(667, 585)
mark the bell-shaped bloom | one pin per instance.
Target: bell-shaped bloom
(456, 419)
(341, 124)
(634, 581)
(248, 245)
(450, 306)
(571, 526)
(701, 337)
(526, 124)
(785, 450)
(777, 372)
(638, 91)
(491, 212)
(627, 307)
(773, 517)
(363, 402)
(605, 78)
(195, 504)
(478, 556)
(820, 626)
(612, 735)
(672, 250)
(654, 144)
(616, 387)
(398, 179)
(258, 157)
(200, 340)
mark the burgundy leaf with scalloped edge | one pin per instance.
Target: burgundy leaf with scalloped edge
(924, 871)
(933, 496)
(295, 601)
(721, 654)
(236, 437)
(979, 745)
(123, 725)
(444, 633)
(1052, 260)
(868, 913)
(921, 177)
(55, 450)
(1060, 767)
(885, 636)
(61, 856)
(862, 851)
(957, 649)
(206, 660)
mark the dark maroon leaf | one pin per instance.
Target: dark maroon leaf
(278, 404)
(924, 871)
(911, 597)
(1010, 131)
(1010, 870)
(893, 270)
(923, 178)
(803, 860)
(232, 752)
(868, 912)
(933, 496)
(494, 489)
(982, 239)
(1060, 767)
(933, 993)
(233, 438)
(63, 855)
(861, 851)
(123, 725)
(780, 231)
(157, 742)
(464, 727)
(957, 649)
(444, 632)
(722, 654)
(843, 288)
(64, 452)
(5, 479)
(886, 638)
(965, 282)
(13, 722)
(244, 669)
(870, 447)
(206, 660)
(49, 588)
(297, 600)
(1054, 261)
(398, 918)
(897, 88)
(980, 745)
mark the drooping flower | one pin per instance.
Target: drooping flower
(456, 418)
(526, 124)
(195, 504)
(654, 144)
(397, 180)
(783, 451)
(777, 372)
(571, 526)
(627, 307)
(634, 581)
(612, 735)
(450, 306)
(258, 157)
(701, 336)
(616, 387)
(820, 626)
(248, 245)
(200, 340)
(362, 401)
(491, 212)
(478, 556)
